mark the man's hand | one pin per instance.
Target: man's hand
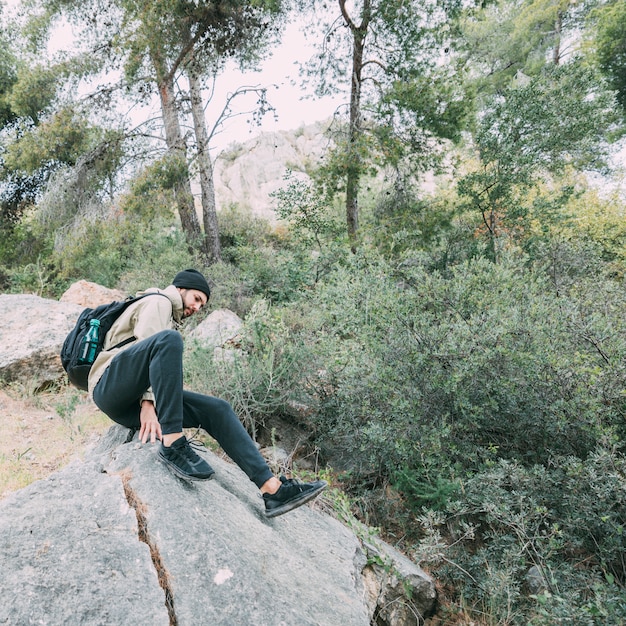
(150, 427)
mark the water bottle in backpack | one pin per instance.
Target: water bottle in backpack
(89, 348)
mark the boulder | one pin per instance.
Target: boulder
(32, 331)
(91, 295)
(118, 539)
(220, 327)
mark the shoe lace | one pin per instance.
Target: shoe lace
(195, 442)
(291, 484)
(188, 450)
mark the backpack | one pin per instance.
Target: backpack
(78, 372)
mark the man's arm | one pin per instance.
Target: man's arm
(153, 314)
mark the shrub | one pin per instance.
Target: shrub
(566, 520)
(260, 377)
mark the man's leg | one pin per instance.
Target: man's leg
(217, 417)
(155, 362)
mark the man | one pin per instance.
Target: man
(140, 385)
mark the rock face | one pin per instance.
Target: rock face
(32, 331)
(219, 327)
(247, 174)
(117, 539)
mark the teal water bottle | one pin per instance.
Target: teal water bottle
(90, 343)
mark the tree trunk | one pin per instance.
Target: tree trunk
(205, 168)
(177, 147)
(556, 52)
(355, 130)
(354, 135)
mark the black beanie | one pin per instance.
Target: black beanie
(192, 279)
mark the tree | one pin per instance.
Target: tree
(610, 45)
(560, 118)
(402, 102)
(156, 43)
(506, 42)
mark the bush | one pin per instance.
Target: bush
(565, 520)
(260, 377)
(488, 361)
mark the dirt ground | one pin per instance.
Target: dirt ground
(40, 433)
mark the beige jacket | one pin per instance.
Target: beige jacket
(141, 320)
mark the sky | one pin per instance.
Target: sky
(294, 107)
(279, 72)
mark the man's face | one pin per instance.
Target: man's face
(193, 301)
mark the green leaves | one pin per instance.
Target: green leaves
(610, 45)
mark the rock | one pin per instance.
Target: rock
(387, 577)
(91, 295)
(535, 580)
(118, 539)
(32, 331)
(70, 554)
(246, 174)
(218, 328)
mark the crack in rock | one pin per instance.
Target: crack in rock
(140, 509)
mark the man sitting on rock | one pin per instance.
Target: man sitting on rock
(140, 385)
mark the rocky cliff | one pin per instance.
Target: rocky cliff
(246, 174)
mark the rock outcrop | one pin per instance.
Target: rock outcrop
(32, 331)
(246, 174)
(118, 539)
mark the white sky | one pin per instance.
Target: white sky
(293, 109)
(280, 71)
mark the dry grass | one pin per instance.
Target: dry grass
(40, 433)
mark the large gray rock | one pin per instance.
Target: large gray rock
(218, 328)
(247, 174)
(70, 555)
(32, 330)
(118, 539)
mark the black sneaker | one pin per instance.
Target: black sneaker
(182, 460)
(291, 495)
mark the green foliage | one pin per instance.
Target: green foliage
(610, 45)
(33, 92)
(557, 120)
(565, 519)
(61, 139)
(403, 221)
(259, 376)
(151, 194)
(432, 377)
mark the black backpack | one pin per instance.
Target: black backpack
(78, 372)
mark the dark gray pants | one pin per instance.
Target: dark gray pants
(157, 362)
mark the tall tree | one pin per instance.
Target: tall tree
(530, 131)
(609, 23)
(155, 43)
(387, 53)
(508, 40)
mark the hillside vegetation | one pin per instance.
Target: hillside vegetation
(457, 357)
